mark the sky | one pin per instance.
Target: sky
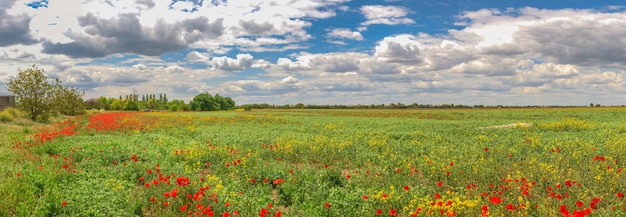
(488, 52)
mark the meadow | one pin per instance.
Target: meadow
(439, 162)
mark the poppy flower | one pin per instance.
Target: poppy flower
(510, 207)
(327, 205)
(64, 203)
(393, 212)
(495, 200)
(406, 188)
(620, 195)
(379, 212)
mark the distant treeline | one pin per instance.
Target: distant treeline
(135, 102)
(389, 106)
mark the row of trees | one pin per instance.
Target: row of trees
(201, 102)
(41, 99)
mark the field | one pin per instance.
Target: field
(446, 162)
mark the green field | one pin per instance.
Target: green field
(440, 162)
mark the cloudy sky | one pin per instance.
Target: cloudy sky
(567, 52)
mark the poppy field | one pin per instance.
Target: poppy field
(438, 162)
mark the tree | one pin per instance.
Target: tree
(67, 100)
(33, 93)
(204, 102)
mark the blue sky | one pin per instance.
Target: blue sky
(567, 52)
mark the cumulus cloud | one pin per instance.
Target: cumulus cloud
(14, 29)
(126, 35)
(196, 56)
(382, 14)
(258, 87)
(243, 61)
(343, 33)
(400, 49)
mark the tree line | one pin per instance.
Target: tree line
(132, 102)
(41, 99)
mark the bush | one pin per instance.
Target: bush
(13, 111)
(5, 116)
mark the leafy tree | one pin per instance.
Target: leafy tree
(33, 93)
(67, 100)
(204, 102)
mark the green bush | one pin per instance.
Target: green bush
(13, 111)
(5, 117)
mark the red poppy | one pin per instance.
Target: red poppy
(594, 202)
(183, 208)
(379, 212)
(392, 212)
(64, 203)
(365, 197)
(495, 200)
(406, 188)
(620, 195)
(579, 204)
(510, 207)
(152, 199)
(327, 205)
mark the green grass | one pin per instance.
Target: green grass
(299, 160)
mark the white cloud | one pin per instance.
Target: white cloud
(242, 62)
(381, 14)
(342, 33)
(196, 56)
(401, 48)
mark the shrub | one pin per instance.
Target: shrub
(5, 117)
(13, 111)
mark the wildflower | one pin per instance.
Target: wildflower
(439, 183)
(510, 207)
(485, 210)
(563, 210)
(277, 214)
(486, 149)
(365, 197)
(379, 212)
(392, 212)
(579, 204)
(406, 188)
(166, 204)
(183, 208)
(437, 196)
(495, 200)
(327, 205)
(152, 199)
(620, 195)
(64, 203)
(594, 203)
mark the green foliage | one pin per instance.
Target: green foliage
(206, 102)
(39, 98)
(6, 116)
(33, 93)
(13, 111)
(67, 100)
